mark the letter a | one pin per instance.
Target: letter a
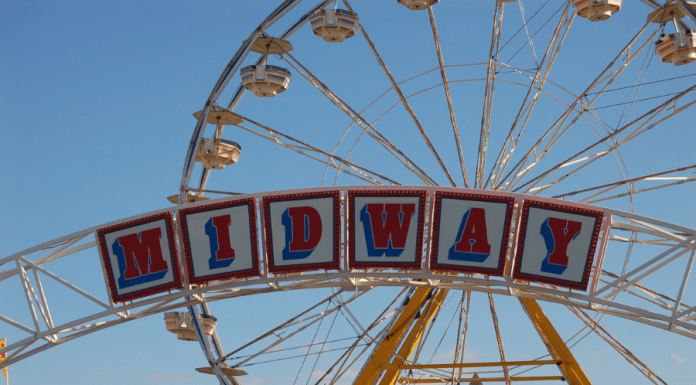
(303, 230)
(218, 231)
(140, 257)
(472, 238)
(557, 235)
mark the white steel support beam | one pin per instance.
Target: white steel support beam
(620, 296)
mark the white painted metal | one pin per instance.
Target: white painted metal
(613, 296)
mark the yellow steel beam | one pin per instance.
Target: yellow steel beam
(471, 364)
(557, 347)
(392, 373)
(386, 348)
(464, 380)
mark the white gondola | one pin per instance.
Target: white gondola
(678, 49)
(182, 326)
(597, 10)
(418, 4)
(334, 25)
(265, 80)
(217, 153)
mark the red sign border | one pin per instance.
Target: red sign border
(253, 230)
(335, 264)
(416, 265)
(497, 272)
(174, 259)
(522, 232)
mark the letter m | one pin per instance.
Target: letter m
(140, 257)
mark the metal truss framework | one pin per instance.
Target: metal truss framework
(620, 295)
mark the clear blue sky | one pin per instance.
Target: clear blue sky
(95, 119)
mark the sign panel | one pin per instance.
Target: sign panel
(303, 231)
(556, 244)
(471, 232)
(139, 257)
(220, 241)
(386, 228)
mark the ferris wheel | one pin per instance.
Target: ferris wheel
(572, 107)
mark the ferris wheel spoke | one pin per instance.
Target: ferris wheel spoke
(491, 74)
(421, 343)
(563, 6)
(371, 134)
(305, 149)
(351, 319)
(448, 96)
(529, 37)
(557, 129)
(616, 345)
(340, 167)
(342, 371)
(427, 180)
(462, 328)
(280, 339)
(296, 322)
(660, 176)
(526, 108)
(346, 355)
(290, 322)
(499, 339)
(402, 98)
(357, 118)
(583, 162)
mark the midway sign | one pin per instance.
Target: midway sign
(450, 230)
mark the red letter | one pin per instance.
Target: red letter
(225, 250)
(563, 232)
(146, 250)
(474, 238)
(305, 236)
(391, 226)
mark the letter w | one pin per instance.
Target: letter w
(386, 227)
